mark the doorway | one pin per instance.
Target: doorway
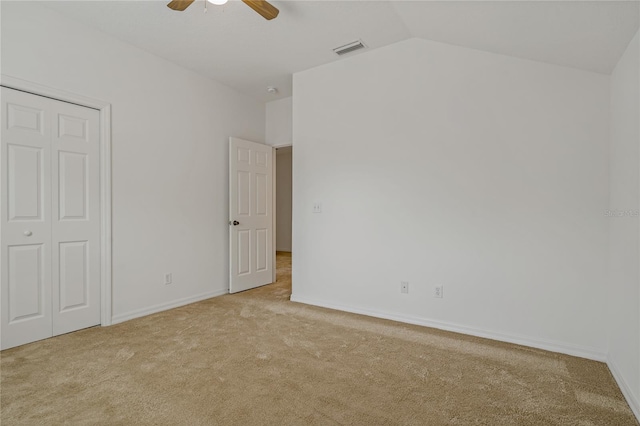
(283, 212)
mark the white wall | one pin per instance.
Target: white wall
(438, 164)
(283, 199)
(279, 132)
(170, 152)
(279, 122)
(624, 275)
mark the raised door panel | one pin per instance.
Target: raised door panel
(243, 156)
(73, 127)
(26, 295)
(73, 186)
(26, 282)
(261, 194)
(244, 252)
(25, 118)
(262, 250)
(261, 160)
(74, 279)
(25, 175)
(244, 193)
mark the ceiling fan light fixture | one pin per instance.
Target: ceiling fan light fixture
(262, 7)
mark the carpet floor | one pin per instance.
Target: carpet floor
(255, 358)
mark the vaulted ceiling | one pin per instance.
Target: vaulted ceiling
(234, 45)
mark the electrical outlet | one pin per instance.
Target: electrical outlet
(317, 207)
(168, 278)
(437, 291)
(404, 286)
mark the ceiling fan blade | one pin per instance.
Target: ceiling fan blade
(264, 8)
(180, 4)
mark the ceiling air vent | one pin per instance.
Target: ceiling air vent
(348, 48)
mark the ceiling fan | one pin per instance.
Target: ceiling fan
(264, 8)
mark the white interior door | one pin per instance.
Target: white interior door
(26, 219)
(250, 214)
(75, 215)
(50, 218)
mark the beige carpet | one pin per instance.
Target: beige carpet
(257, 359)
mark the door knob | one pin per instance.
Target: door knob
(27, 233)
(235, 223)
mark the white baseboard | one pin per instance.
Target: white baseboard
(574, 350)
(624, 387)
(166, 306)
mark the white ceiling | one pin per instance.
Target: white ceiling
(234, 45)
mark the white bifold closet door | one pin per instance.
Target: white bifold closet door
(50, 224)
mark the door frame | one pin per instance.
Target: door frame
(104, 109)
